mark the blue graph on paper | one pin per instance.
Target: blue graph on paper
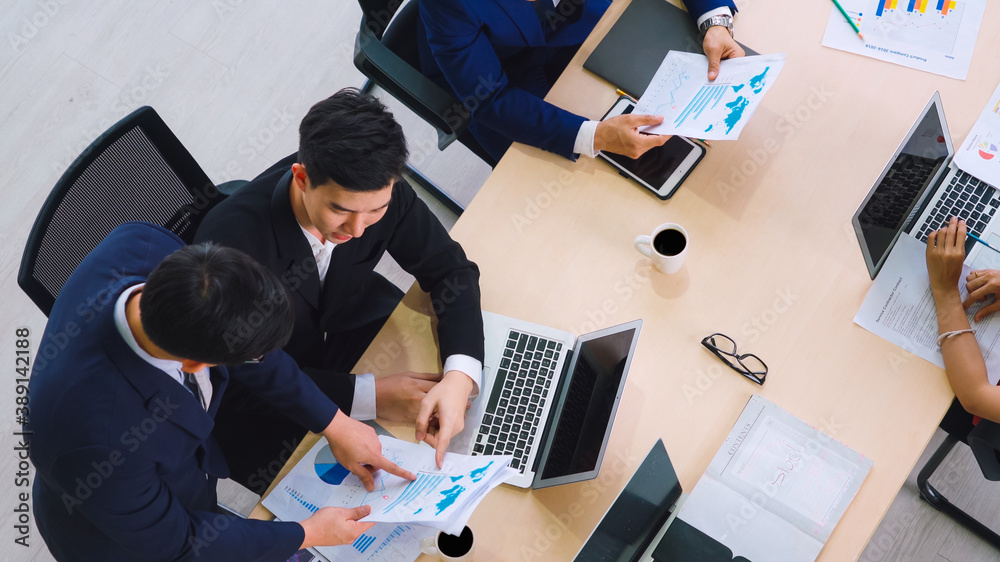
(436, 491)
(363, 542)
(297, 496)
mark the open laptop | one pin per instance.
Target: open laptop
(920, 190)
(635, 527)
(548, 399)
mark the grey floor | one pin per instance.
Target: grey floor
(232, 78)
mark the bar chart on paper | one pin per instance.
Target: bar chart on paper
(932, 35)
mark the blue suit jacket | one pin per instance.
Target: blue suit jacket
(480, 49)
(126, 463)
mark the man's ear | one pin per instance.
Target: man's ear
(299, 177)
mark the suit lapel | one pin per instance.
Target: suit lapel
(300, 271)
(165, 398)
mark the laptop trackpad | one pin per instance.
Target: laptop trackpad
(684, 542)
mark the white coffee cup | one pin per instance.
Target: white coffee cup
(667, 246)
(449, 547)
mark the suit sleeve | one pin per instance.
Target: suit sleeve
(422, 247)
(279, 382)
(135, 508)
(472, 69)
(698, 7)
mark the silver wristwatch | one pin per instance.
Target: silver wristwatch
(724, 21)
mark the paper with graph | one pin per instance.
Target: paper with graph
(935, 36)
(979, 153)
(694, 107)
(443, 499)
(776, 480)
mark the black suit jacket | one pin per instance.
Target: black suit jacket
(258, 220)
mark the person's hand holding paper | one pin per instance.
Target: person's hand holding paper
(719, 45)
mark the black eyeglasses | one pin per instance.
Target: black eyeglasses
(748, 364)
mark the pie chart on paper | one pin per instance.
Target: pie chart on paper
(987, 150)
(328, 469)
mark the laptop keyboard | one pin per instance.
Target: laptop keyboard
(966, 198)
(512, 417)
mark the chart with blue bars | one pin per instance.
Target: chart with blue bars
(363, 542)
(300, 499)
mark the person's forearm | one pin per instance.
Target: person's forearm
(963, 360)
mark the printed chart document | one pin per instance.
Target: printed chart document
(900, 308)
(776, 488)
(694, 107)
(935, 36)
(441, 499)
(978, 154)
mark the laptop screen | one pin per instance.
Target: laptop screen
(585, 406)
(895, 200)
(642, 508)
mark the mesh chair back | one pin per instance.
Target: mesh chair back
(136, 171)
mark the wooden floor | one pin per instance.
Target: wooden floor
(232, 78)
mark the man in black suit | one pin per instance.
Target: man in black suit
(321, 219)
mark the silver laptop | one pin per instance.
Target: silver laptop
(548, 399)
(920, 190)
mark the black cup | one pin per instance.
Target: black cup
(455, 546)
(670, 242)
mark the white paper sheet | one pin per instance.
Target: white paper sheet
(935, 36)
(443, 499)
(900, 308)
(979, 154)
(694, 107)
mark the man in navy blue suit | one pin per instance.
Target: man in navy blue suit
(122, 417)
(501, 57)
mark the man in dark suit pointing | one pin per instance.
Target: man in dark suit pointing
(321, 219)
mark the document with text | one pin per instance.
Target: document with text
(900, 308)
(775, 481)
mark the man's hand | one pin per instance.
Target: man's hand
(719, 44)
(982, 284)
(356, 446)
(334, 526)
(945, 254)
(620, 135)
(446, 403)
(398, 396)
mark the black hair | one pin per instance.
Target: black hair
(216, 305)
(352, 139)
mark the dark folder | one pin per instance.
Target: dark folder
(633, 49)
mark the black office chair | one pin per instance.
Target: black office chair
(385, 51)
(984, 440)
(135, 171)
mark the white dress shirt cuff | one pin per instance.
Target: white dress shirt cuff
(363, 407)
(721, 11)
(584, 143)
(470, 366)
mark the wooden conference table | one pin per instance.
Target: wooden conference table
(773, 262)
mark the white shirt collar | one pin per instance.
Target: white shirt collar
(322, 252)
(171, 368)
